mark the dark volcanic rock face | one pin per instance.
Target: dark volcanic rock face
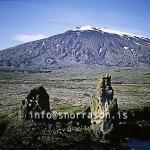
(79, 47)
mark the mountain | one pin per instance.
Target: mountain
(82, 46)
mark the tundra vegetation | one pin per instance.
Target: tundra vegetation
(69, 90)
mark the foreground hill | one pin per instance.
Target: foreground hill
(83, 46)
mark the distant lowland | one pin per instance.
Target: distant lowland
(83, 46)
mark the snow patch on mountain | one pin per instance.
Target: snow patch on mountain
(125, 47)
(83, 28)
(106, 30)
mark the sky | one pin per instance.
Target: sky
(27, 20)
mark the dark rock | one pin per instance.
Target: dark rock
(36, 100)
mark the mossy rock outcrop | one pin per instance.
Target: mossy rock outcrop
(36, 100)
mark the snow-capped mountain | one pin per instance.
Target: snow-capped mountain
(83, 46)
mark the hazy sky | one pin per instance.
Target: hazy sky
(26, 20)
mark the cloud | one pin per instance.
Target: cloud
(29, 37)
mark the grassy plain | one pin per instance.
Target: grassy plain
(71, 89)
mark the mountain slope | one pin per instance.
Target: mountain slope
(83, 46)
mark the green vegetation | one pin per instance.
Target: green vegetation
(68, 109)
